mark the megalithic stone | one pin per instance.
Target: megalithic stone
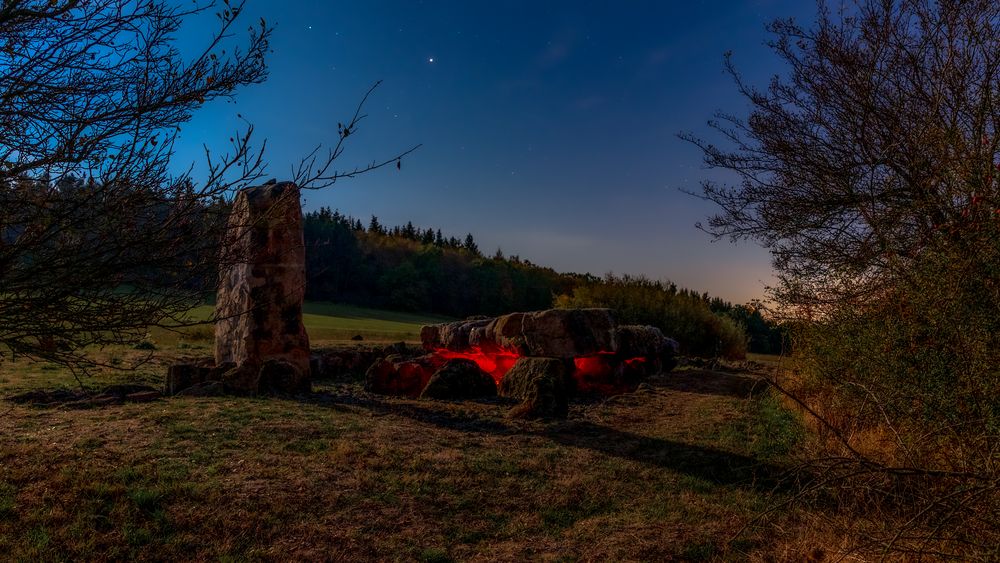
(261, 289)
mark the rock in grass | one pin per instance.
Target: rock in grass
(143, 396)
(396, 375)
(341, 362)
(396, 349)
(180, 377)
(540, 384)
(459, 379)
(261, 290)
(203, 389)
(280, 376)
(240, 380)
(183, 375)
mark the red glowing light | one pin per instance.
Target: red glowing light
(596, 367)
(604, 373)
(635, 362)
(497, 364)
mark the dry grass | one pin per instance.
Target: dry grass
(673, 472)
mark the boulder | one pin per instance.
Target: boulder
(337, 363)
(143, 396)
(668, 357)
(262, 286)
(459, 379)
(399, 348)
(241, 380)
(183, 375)
(398, 376)
(557, 333)
(450, 336)
(204, 389)
(637, 341)
(647, 342)
(600, 356)
(379, 376)
(540, 384)
(430, 336)
(610, 374)
(506, 333)
(568, 333)
(100, 401)
(180, 377)
(477, 337)
(455, 336)
(280, 376)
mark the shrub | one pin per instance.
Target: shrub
(908, 388)
(869, 169)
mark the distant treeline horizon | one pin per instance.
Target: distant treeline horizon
(409, 268)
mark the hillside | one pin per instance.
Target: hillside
(422, 271)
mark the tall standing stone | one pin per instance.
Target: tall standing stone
(261, 289)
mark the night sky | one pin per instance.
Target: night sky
(549, 129)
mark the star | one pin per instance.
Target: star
(430, 60)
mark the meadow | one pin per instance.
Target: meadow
(326, 321)
(680, 469)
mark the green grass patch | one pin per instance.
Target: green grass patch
(330, 321)
(323, 321)
(558, 518)
(767, 430)
(701, 551)
(146, 499)
(307, 446)
(38, 538)
(8, 500)
(434, 555)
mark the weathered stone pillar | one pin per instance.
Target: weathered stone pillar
(261, 289)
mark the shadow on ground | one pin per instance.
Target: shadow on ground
(713, 465)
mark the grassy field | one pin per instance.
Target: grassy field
(327, 322)
(676, 471)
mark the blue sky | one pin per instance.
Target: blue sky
(549, 129)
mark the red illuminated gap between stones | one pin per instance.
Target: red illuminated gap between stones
(594, 367)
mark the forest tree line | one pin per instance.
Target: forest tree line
(409, 268)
